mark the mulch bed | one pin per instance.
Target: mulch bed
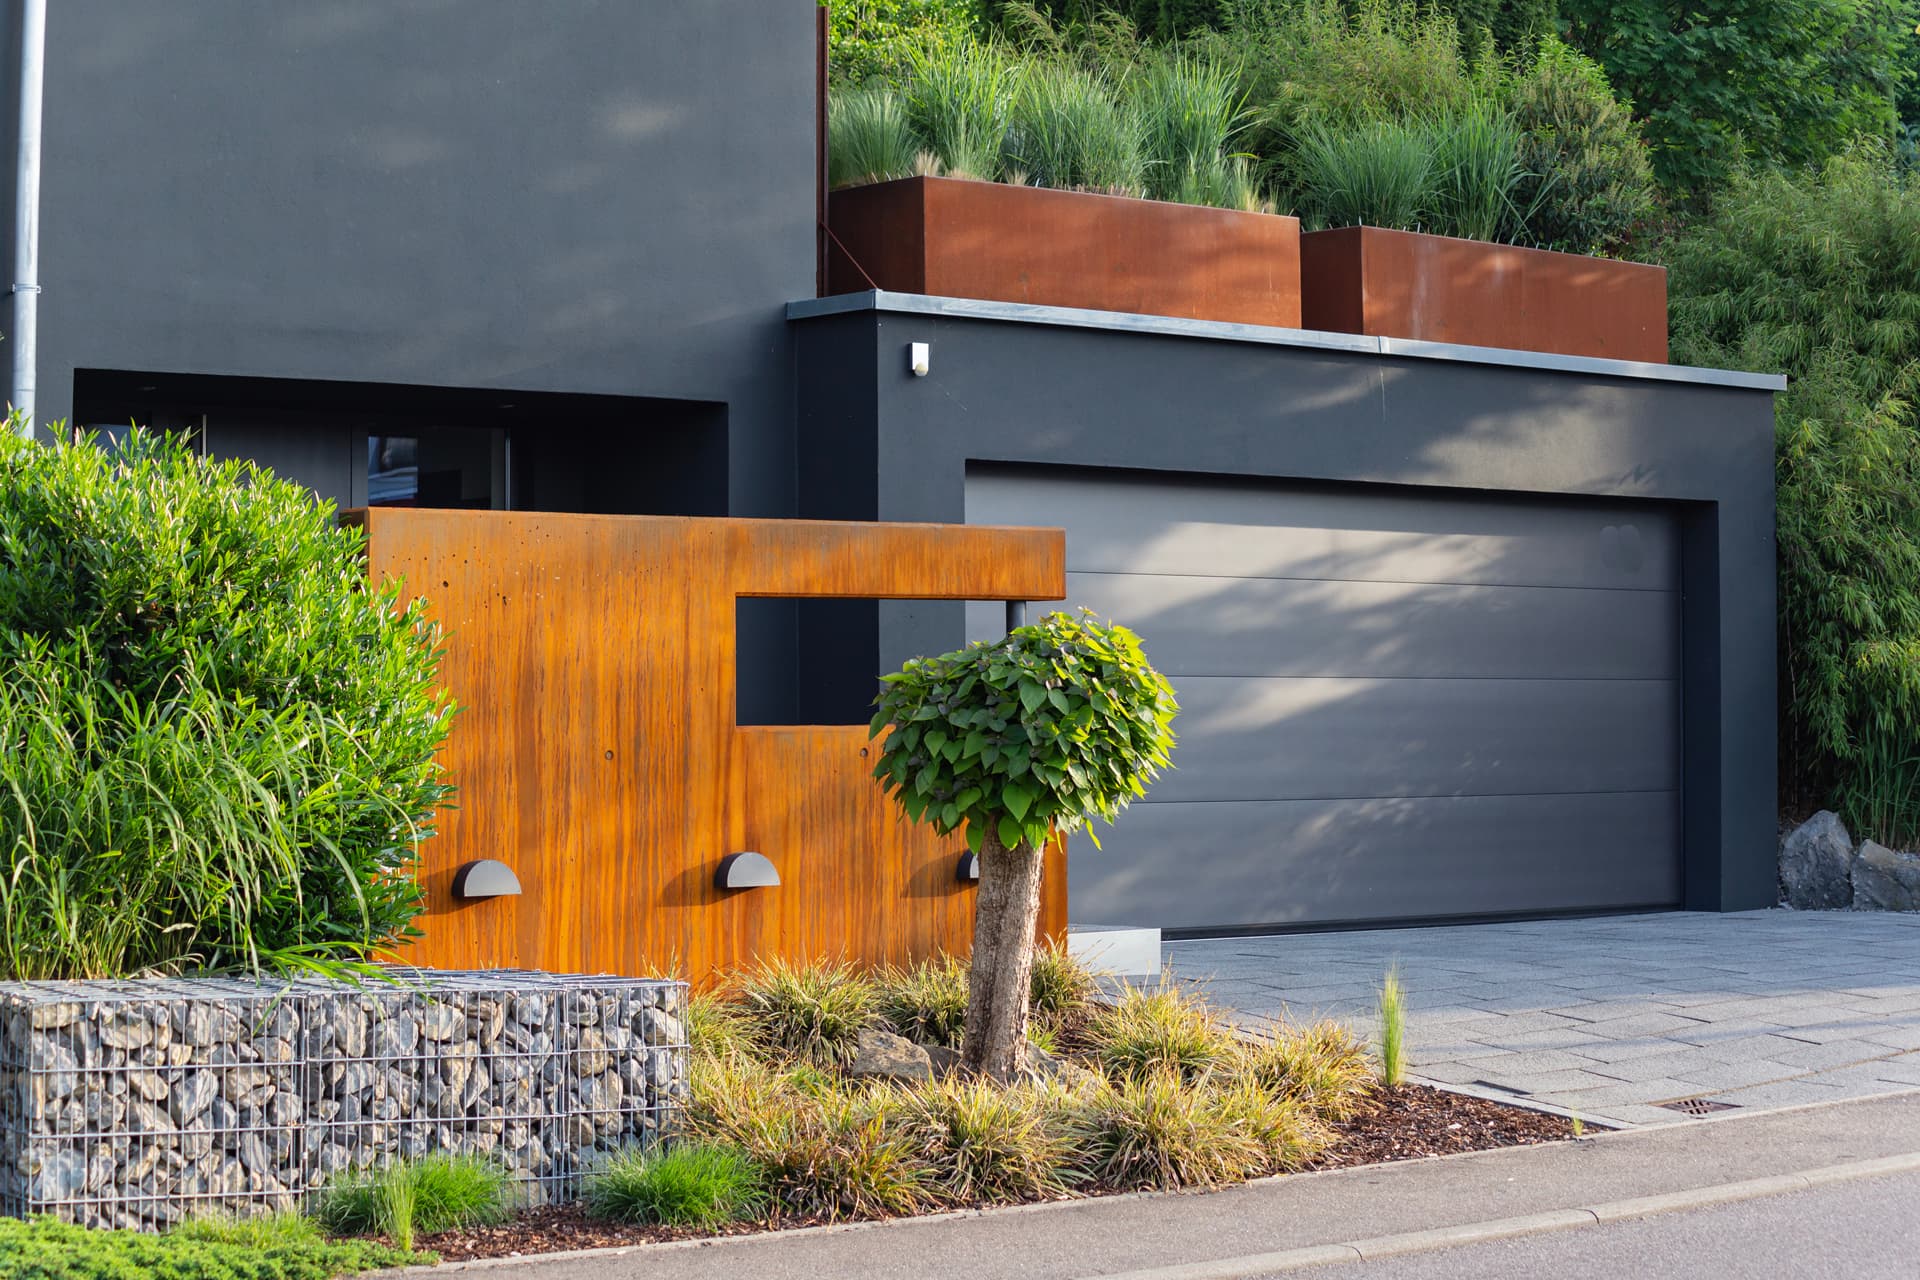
(1412, 1122)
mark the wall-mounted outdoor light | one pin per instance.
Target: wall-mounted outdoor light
(968, 872)
(485, 879)
(745, 871)
(919, 358)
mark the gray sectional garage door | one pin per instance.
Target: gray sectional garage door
(1396, 705)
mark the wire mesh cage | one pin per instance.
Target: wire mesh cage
(142, 1103)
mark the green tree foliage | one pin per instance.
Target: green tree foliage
(1585, 181)
(217, 742)
(1817, 272)
(875, 39)
(1781, 81)
(1019, 741)
(1506, 24)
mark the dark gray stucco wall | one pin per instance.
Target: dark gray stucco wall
(611, 196)
(1001, 391)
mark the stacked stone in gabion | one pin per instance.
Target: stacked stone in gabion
(141, 1103)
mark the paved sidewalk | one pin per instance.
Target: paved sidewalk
(1612, 1016)
(1121, 1234)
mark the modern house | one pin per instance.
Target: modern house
(1460, 631)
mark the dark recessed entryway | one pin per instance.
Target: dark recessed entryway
(387, 444)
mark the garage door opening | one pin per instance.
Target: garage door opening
(1398, 704)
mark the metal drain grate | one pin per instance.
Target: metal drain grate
(1698, 1106)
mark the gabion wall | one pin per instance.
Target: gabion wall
(140, 1103)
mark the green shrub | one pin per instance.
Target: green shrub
(869, 138)
(988, 1144)
(1585, 183)
(871, 40)
(691, 1185)
(1147, 1033)
(280, 1248)
(1071, 130)
(813, 1012)
(432, 1193)
(1818, 273)
(926, 1002)
(217, 741)
(959, 102)
(1323, 1068)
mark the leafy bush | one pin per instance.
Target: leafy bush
(433, 1193)
(926, 1002)
(1790, 82)
(217, 741)
(869, 138)
(281, 1248)
(989, 1144)
(1324, 1068)
(813, 1012)
(1147, 1033)
(1585, 183)
(1818, 273)
(691, 1185)
(871, 40)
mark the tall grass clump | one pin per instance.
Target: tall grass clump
(1393, 1031)
(927, 1001)
(959, 101)
(1190, 112)
(869, 138)
(1071, 130)
(1161, 1132)
(812, 1012)
(1381, 173)
(1063, 987)
(433, 1193)
(217, 741)
(1163, 1031)
(990, 1144)
(1323, 1068)
(689, 1185)
(1476, 170)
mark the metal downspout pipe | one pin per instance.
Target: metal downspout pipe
(26, 211)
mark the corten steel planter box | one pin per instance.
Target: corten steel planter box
(1402, 284)
(955, 238)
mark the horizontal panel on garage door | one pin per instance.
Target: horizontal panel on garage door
(1290, 739)
(1289, 627)
(1202, 528)
(1248, 864)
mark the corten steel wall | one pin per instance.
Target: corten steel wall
(965, 239)
(597, 751)
(607, 196)
(1442, 289)
(1027, 386)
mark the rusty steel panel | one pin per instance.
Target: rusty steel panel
(1405, 284)
(954, 238)
(597, 754)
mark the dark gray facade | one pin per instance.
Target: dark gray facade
(603, 196)
(1684, 456)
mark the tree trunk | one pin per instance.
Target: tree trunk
(1004, 919)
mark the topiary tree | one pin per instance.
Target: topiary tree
(1019, 741)
(217, 741)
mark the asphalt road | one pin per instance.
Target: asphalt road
(1851, 1231)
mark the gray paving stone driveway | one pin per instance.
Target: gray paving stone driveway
(1611, 1016)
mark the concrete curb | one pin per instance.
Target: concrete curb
(1368, 1250)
